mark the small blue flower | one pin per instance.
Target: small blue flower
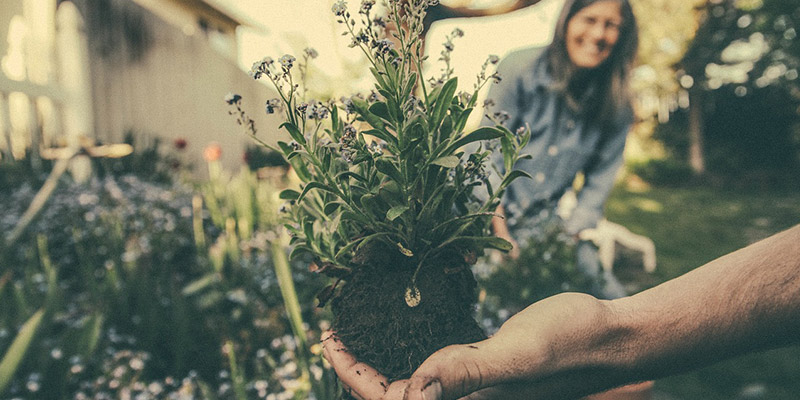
(339, 8)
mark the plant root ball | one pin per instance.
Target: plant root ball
(372, 319)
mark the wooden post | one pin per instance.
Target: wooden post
(74, 76)
(5, 119)
(35, 132)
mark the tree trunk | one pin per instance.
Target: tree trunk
(696, 157)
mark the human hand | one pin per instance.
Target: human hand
(521, 361)
(358, 379)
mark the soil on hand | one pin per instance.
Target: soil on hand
(372, 319)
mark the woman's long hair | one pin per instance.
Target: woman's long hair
(610, 79)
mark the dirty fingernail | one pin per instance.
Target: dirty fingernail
(433, 391)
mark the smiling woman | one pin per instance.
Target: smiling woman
(592, 33)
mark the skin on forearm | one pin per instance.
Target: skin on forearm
(746, 301)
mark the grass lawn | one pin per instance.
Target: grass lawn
(691, 226)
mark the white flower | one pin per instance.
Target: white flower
(310, 52)
(287, 61)
(339, 8)
(366, 5)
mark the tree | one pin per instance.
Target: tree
(746, 49)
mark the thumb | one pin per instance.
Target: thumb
(452, 372)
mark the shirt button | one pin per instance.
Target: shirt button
(552, 150)
(539, 177)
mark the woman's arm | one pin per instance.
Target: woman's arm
(571, 344)
(599, 180)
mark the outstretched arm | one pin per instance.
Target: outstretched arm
(571, 345)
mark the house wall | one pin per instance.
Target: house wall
(197, 17)
(176, 90)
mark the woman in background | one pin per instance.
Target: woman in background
(573, 95)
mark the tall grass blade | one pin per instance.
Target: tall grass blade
(236, 374)
(18, 348)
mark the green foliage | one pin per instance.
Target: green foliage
(140, 304)
(758, 37)
(546, 266)
(742, 72)
(389, 168)
(259, 157)
(664, 172)
(18, 348)
(15, 173)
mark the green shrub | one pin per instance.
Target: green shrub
(663, 172)
(546, 266)
(152, 296)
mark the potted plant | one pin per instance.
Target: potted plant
(391, 207)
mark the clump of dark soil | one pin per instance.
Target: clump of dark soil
(372, 319)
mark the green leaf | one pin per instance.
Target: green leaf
(461, 121)
(390, 193)
(92, 331)
(484, 133)
(390, 140)
(289, 194)
(363, 111)
(352, 216)
(447, 161)
(390, 188)
(481, 242)
(297, 163)
(335, 118)
(446, 129)
(511, 176)
(380, 109)
(387, 167)
(395, 212)
(314, 185)
(372, 237)
(294, 132)
(378, 77)
(412, 81)
(331, 207)
(16, 352)
(464, 218)
(308, 231)
(443, 101)
(200, 284)
(298, 250)
(350, 174)
(346, 249)
(371, 204)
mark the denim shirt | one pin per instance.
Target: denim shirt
(562, 144)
